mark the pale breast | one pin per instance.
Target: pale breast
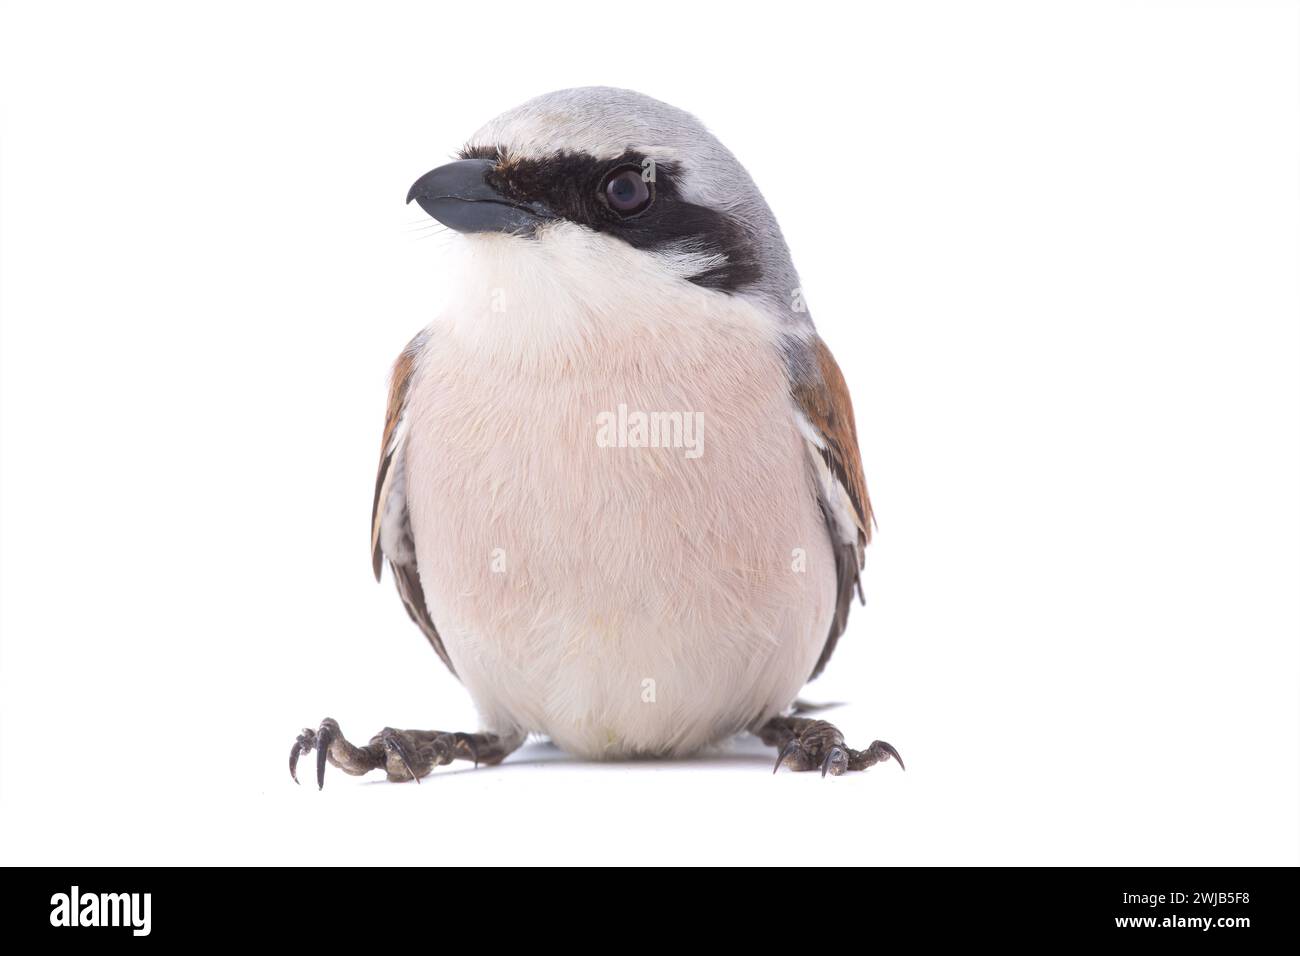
(617, 596)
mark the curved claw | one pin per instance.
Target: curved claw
(791, 748)
(472, 747)
(324, 737)
(836, 762)
(889, 749)
(302, 745)
(393, 745)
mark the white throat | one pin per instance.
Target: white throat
(572, 290)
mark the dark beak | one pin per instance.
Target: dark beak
(458, 195)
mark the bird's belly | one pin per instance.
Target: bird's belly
(618, 597)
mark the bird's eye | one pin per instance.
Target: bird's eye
(627, 192)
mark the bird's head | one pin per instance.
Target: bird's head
(624, 167)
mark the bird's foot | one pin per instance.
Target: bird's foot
(403, 754)
(804, 744)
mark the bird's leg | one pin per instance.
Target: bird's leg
(404, 754)
(806, 744)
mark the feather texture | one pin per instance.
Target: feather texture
(823, 401)
(390, 520)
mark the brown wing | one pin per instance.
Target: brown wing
(390, 522)
(823, 398)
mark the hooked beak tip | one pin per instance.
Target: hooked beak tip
(460, 197)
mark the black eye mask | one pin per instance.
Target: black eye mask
(577, 187)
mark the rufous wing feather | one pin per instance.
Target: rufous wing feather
(390, 522)
(822, 398)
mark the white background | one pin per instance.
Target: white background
(1054, 247)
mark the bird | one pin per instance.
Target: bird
(620, 488)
